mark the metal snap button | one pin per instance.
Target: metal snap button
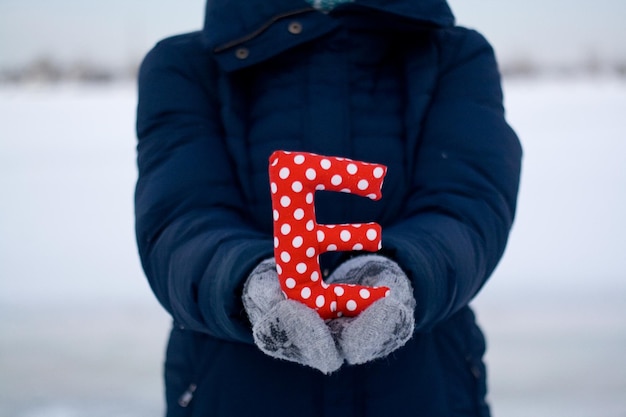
(242, 53)
(295, 28)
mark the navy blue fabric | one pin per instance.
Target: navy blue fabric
(392, 82)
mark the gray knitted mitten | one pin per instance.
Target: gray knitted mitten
(384, 326)
(287, 329)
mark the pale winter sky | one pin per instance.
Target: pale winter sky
(116, 31)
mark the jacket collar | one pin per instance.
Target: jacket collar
(232, 28)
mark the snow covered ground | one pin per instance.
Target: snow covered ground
(81, 334)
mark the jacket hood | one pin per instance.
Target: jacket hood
(228, 22)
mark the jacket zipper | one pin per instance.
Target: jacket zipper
(187, 396)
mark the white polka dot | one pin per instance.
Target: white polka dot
(387, 293)
(301, 268)
(274, 162)
(279, 269)
(324, 285)
(297, 242)
(315, 276)
(351, 305)
(299, 159)
(309, 198)
(298, 214)
(372, 196)
(372, 234)
(320, 301)
(363, 184)
(331, 248)
(310, 174)
(380, 245)
(345, 235)
(285, 201)
(285, 229)
(320, 236)
(290, 283)
(339, 291)
(276, 215)
(305, 293)
(346, 190)
(320, 187)
(285, 257)
(365, 294)
(336, 180)
(378, 172)
(296, 186)
(275, 242)
(352, 169)
(310, 225)
(358, 246)
(274, 187)
(325, 163)
(310, 252)
(283, 173)
(333, 306)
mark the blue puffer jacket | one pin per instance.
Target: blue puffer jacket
(386, 81)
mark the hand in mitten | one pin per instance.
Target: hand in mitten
(287, 329)
(384, 326)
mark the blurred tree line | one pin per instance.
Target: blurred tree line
(592, 64)
(47, 70)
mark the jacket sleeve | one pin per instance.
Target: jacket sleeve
(464, 187)
(195, 244)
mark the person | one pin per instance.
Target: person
(395, 83)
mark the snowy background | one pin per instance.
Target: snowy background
(81, 334)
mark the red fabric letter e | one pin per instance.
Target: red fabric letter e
(299, 240)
